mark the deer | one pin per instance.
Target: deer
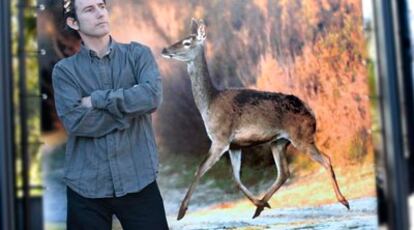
(241, 117)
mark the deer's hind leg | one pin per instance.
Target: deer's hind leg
(279, 155)
(324, 160)
(235, 158)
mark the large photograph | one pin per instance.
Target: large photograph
(266, 119)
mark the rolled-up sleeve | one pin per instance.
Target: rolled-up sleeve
(77, 119)
(144, 97)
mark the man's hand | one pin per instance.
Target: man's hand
(86, 102)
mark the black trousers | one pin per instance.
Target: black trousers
(141, 210)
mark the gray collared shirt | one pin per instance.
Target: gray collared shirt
(111, 148)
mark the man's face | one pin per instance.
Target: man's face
(92, 17)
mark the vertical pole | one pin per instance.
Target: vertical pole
(392, 78)
(23, 116)
(7, 172)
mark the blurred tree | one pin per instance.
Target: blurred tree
(33, 92)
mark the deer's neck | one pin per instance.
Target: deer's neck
(202, 86)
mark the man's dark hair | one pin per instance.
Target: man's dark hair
(69, 11)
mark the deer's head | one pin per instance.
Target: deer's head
(187, 49)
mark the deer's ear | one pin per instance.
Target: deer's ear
(194, 26)
(201, 31)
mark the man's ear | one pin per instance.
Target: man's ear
(72, 23)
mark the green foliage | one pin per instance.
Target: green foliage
(356, 151)
(358, 148)
(33, 88)
(372, 81)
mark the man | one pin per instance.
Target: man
(104, 96)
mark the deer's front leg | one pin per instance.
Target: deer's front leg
(279, 155)
(235, 158)
(215, 152)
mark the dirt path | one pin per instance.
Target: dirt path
(334, 216)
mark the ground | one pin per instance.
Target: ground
(306, 201)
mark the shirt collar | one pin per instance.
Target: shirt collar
(91, 54)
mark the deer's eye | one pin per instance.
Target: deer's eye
(186, 43)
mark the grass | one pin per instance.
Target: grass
(305, 187)
(313, 190)
(355, 181)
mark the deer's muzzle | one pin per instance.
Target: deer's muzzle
(166, 54)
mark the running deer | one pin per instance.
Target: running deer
(236, 118)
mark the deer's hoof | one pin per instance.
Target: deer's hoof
(260, 207)
(183, 210)
(258, 211)
(345, 203)
(181, 213)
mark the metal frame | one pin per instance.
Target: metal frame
(7, 177)
(395, 81)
